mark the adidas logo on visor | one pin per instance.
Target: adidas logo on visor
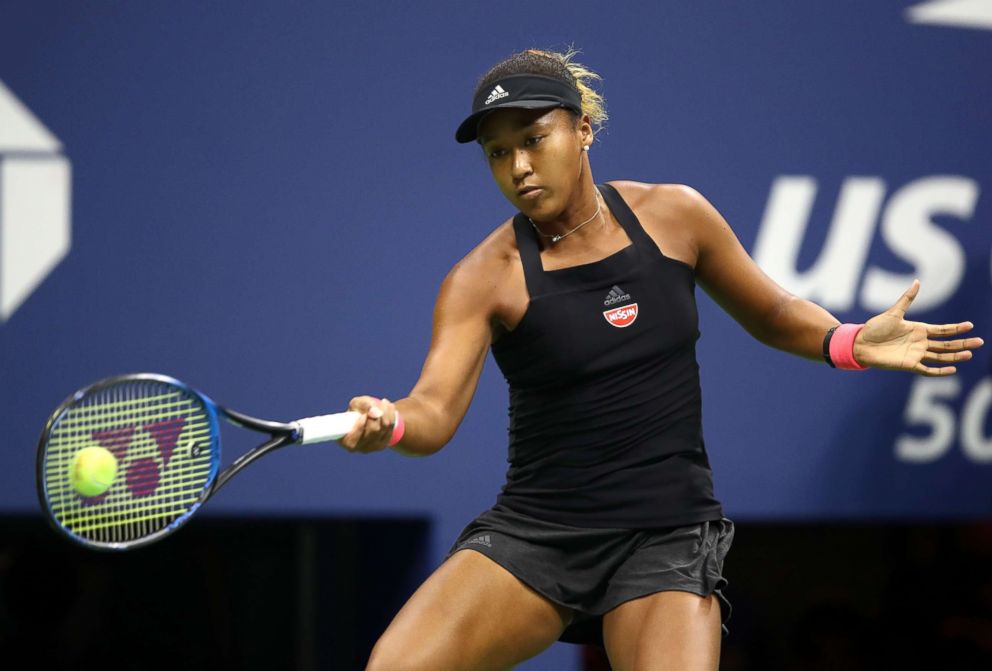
(496, 94)
(615, 296)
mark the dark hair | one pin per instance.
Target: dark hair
(530, 62)
(560, 66)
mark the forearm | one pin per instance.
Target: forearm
(426, 427)
(798, 326)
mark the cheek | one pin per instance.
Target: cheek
(503, 178)
(498, 173)
(565, 156)
(505, 183)
(559, 171)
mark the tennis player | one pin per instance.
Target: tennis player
(607, 530)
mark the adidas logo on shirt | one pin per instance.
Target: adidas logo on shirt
(496, 94)
(481, 540)
(615, 296)
(621, 316)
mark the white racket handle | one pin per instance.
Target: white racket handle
(323, 428)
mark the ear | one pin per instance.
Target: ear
(585, 131)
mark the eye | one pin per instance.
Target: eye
(534, 139)
(496, 153)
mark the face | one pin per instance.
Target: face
(536, 157)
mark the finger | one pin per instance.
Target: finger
(899, 309)
(353, 438)
(954, 345)
(943, 371)
(949, 357)
(388, 415)
(947, 330)
(361, 403)
(373, 422)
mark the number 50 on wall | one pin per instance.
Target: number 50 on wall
(929, 405)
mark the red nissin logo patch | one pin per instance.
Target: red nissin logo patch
(622, 316)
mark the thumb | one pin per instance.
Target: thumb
(899, 309)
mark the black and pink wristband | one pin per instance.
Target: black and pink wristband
(838, 347)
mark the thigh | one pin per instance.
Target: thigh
(470, 615)
(664, 630)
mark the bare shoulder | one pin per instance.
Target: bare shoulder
(662, 199)
(486, 262)
(476, 278)
(674, 215)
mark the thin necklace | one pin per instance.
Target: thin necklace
(558, 236)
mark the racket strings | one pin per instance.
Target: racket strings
(164, 440)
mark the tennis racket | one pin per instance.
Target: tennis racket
(165, 437)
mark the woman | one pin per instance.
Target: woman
(607, 529)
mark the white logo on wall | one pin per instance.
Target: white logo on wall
(841, 268)
(954, 13)
(35, 186)
(907, 228)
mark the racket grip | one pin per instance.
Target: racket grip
(324, 428)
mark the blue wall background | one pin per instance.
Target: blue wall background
(266, 197)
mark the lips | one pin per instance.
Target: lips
(529, 191)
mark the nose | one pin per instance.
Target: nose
(521, 164)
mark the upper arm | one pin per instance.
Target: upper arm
(726, 271)
(460, 339)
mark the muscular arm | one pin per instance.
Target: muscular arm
(471, 300)
(728, 274)
(461, 337)
(686, 227)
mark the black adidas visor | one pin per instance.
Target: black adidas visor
(523, 91)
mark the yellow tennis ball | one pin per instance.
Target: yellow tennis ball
(92, 470)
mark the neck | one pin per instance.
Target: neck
(580, 209)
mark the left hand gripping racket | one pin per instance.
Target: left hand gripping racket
(165, 437)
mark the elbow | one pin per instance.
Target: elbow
(772, 327)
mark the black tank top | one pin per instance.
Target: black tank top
(605, 404)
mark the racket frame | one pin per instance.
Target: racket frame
(281, 434)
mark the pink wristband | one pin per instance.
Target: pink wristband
(842, 347)
(399, 428)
